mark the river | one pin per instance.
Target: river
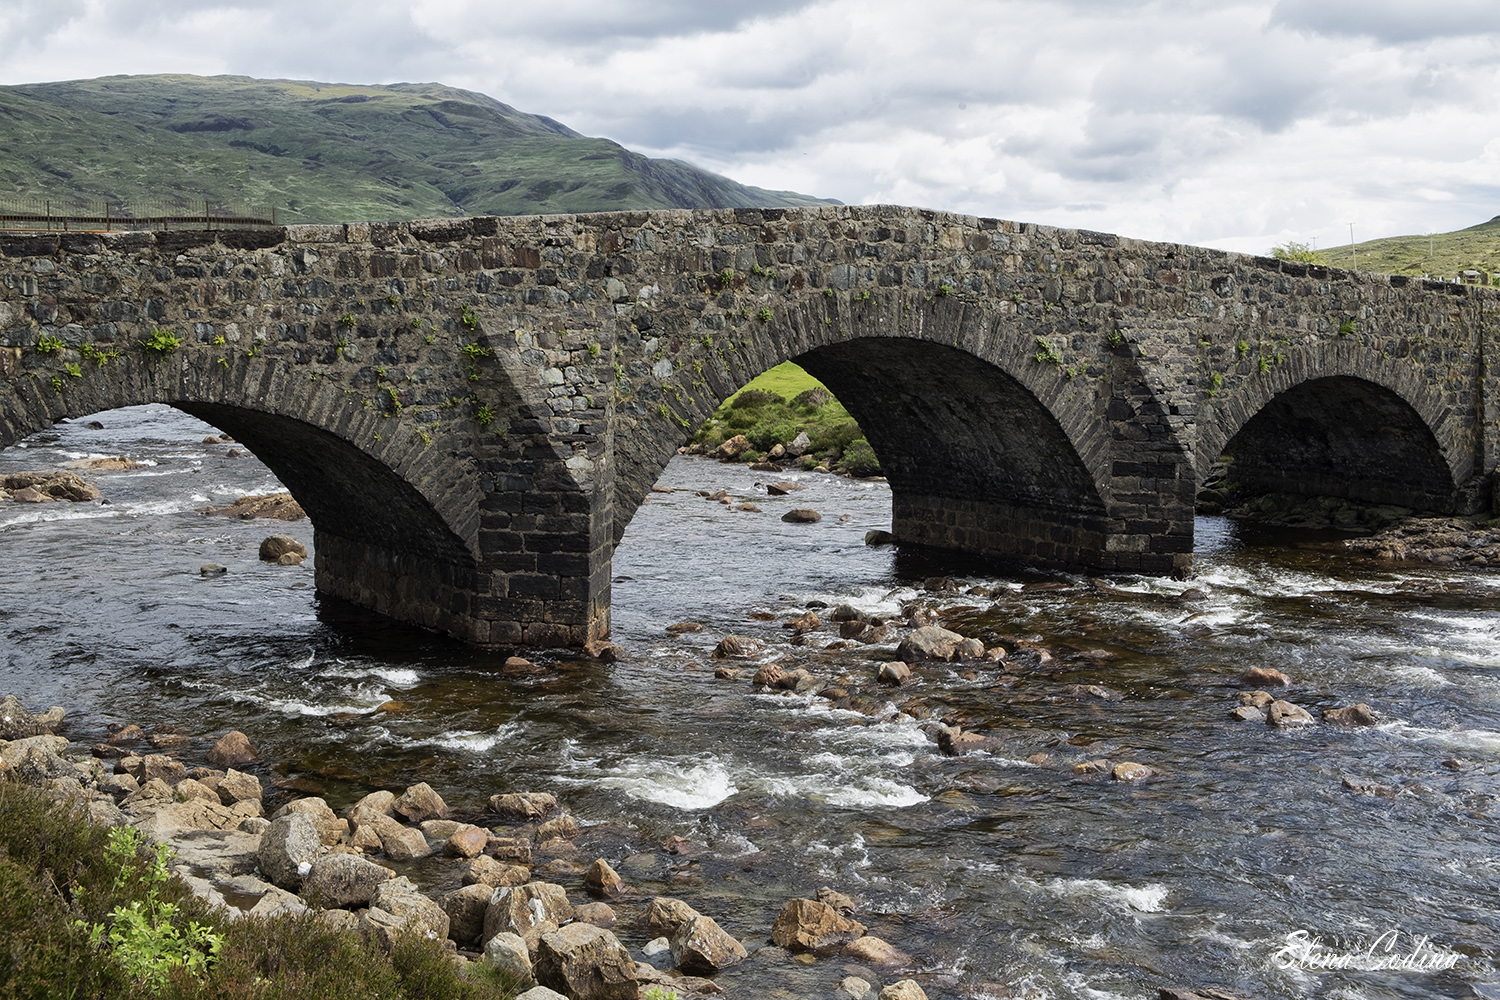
(999, 867)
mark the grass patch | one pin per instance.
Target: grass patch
(59, 881)
(779, 404)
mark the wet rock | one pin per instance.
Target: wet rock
(803, 623)
(893, 673)
(1099, 766)
(1353, 715)
(604, 651)
(517, 664)
(508, 953)
(802, 515)
(665, 915)
(737, 647)
(1131, 771)
(586, 963)
(1264, 677)
(954, 742)
(1249, 713)
(598, 914)
(602, 880)
(733, 448)
(906, 989)
(124, 735)
(877, 538)
(683, 628)
(376, 805)
(275, 506)
(808, 925)
(1166, 993)
(397, 906)
(748, 508)
(1096, 692)
(343, 881)
(290, 559)
(466, 908)
(1369, 788)
(468, 841)
(399, 843)
(233, 749)
(563, 827)
(828, 896)
(1288, 716)
(512, 849)
(872, 950)
(290, 842)
(1257, 699)
(273, 547)
(212, 569)
(702, 947)
(523, 806)
(783, 488)
(487, 871)
(420, 802)
(528, 911)
(853, 988)
(237, 786)
(930, 642)
(768, 676)
(330, 828)
(44, 486)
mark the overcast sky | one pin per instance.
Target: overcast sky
(1231, 124)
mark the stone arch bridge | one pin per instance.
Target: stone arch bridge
(471, 410)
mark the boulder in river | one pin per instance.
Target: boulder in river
(1264, 677)
(466, 907)
(733, 448)
(930, 642)
(808, 925)
(523, 806)
(420, 802)
(1353, 715)
(275, 506)
(602, 880)
(877, 537)
(1131, 771)
(485, 870)
(1288, 716)
(665, 915)
(802, 515)
(50, 486)
(273, 547)
(906, 989)
(702, 947)
(737, 646)
(783, 488)
(231, 750)
(871, 950)
(343, 881)
(290, 842)
(586, 963)
(528, 911)
(508, 953)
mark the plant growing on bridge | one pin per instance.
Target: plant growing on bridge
(1346, 328)
(944, 290)
(1215, 381)
(100, 358)
(161, 341)
(73, 369)
(485, 415)
(1115, 338)
(346, 320)
(863, 296)
(469, 318)
(1047, 353)
(726, 277)
(1242, 348)
(48, 343)
(764, 315)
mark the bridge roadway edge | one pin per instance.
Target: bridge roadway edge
(472, 409)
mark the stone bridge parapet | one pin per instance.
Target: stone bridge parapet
(471, 410)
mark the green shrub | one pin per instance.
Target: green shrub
(161, 341)
(832, 440)
(859, 459)
(47, 343)
(812, 399)
(752, 398)
(771, 431)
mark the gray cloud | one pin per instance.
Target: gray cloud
(1394, 22)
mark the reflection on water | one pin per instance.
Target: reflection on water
(996, 867)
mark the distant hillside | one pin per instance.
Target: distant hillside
(327, 152)
(1442, 255)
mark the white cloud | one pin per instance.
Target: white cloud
(1235, 123)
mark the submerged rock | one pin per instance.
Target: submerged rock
(808, 925)
(276, 506)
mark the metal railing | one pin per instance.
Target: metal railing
(47, 216)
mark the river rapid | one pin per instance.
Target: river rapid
(1000, 872)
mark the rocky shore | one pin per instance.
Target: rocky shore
(250, 862)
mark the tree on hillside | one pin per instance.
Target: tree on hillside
(1301, 252)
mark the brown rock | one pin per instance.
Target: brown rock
(604, 651)
(1257, 699)
(466, 908)
(514, 849)
(598, 914)
(563, 828)
(400, 843)
(1264, 677)
(602, 880)
(1288, 716)
(273, 547)
(237, 786)
(468, 841)
(737, 646)
(702, 947)
(807, 925)
(1249, 713)
(40, 486)
(277, 506)
(376, 805)
(733, 448)
(893, 672)
(683, 628)
(1091, 767)
(343, 880)
(783, 488)
(528, 911)
(802, 515)
(844, 904)
(485, 870)
(524, 806)
(1353, 715)
(420, 802)
(906, 989)
(129, 734)
(187, 788)
(768, 675)
(233, 749)
(665, 915)
(1131, 771)
(585, 962)
(930, 642)
(330, 828)
(872, 950)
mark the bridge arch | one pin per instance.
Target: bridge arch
(1341, 420)
(985, 447)
(394, 521)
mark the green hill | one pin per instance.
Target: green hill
(323, 152)
(1441, 255)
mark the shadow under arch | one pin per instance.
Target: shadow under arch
(1343, 436)
(945, 423)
